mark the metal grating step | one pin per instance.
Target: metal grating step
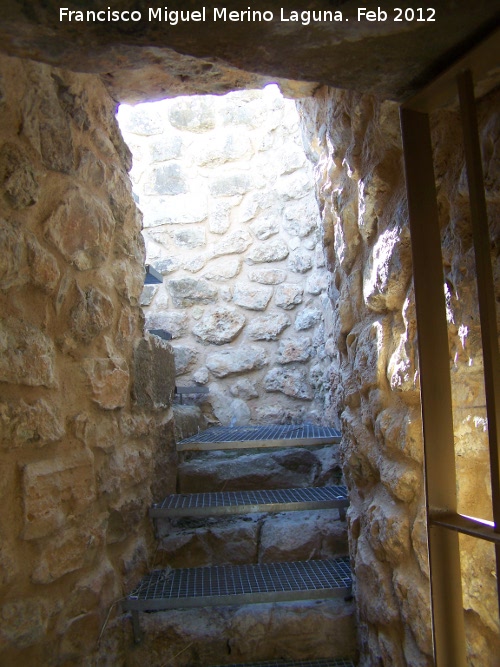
(325, 662)
(244, 502)
(245, 437)
(241, 584)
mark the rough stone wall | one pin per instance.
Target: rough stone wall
(355, 143)
(469, 413)
(85, 423)
(231, 221)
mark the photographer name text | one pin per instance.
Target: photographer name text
(225, 15)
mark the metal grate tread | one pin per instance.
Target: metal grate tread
(324, 662)
(243, 502)
(241, 584)
(239, 437)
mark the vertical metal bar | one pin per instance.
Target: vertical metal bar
(485, 288)
(435, 387)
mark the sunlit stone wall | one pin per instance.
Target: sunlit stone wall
(354, 142)
(85, 422)
(231, 221)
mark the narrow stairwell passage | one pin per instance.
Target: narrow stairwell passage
(305, 603)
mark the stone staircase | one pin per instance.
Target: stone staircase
(252, 555)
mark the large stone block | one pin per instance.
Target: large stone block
(235, 183)
(229, 412)
(301, 536)
(142, 120)
(388, 271)
(220, 326)
(253, 203)
(184, 358)
(43, 266)
(268, 276)
(167, 179)
(81, 228)
(154, 374)
(265, 226)
(188, 292)
(66, 553)
(270, 251)
(317, 282)
(37, 424)
(291, 382)
(244, 389)
(267, 327)
(18, 177)
(181, 209)
(27, 355)
(223, 269)
(288, 295)
(24, 622)
(193, 114)
(222, 147)
(13, 256)
(166, 148)
(293, 350)
(109, 380)
(56, 489)
(252, 297)
(176, 323)
(301, 218)
(236, 360)
(193, 237)
(91, 315)
(307, 318)
(235, 243)
(300, 261)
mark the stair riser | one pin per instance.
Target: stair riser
(251, 539)
(242, 471)
(224, 635)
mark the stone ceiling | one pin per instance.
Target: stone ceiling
(152, 59)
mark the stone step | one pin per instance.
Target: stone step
(250, 437)
(228, 635)
(241, 584)
(242, 470)
(250, 538)
(246, 502)
(325, 662)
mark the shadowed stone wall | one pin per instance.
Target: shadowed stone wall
(85, 423)
(231, 221)
(354, 142)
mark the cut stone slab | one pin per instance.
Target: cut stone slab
(234, 471)
(295, 630)
(251, 538)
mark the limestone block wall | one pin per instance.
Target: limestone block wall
(231, 221)
(85, 417)
(354, 142)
